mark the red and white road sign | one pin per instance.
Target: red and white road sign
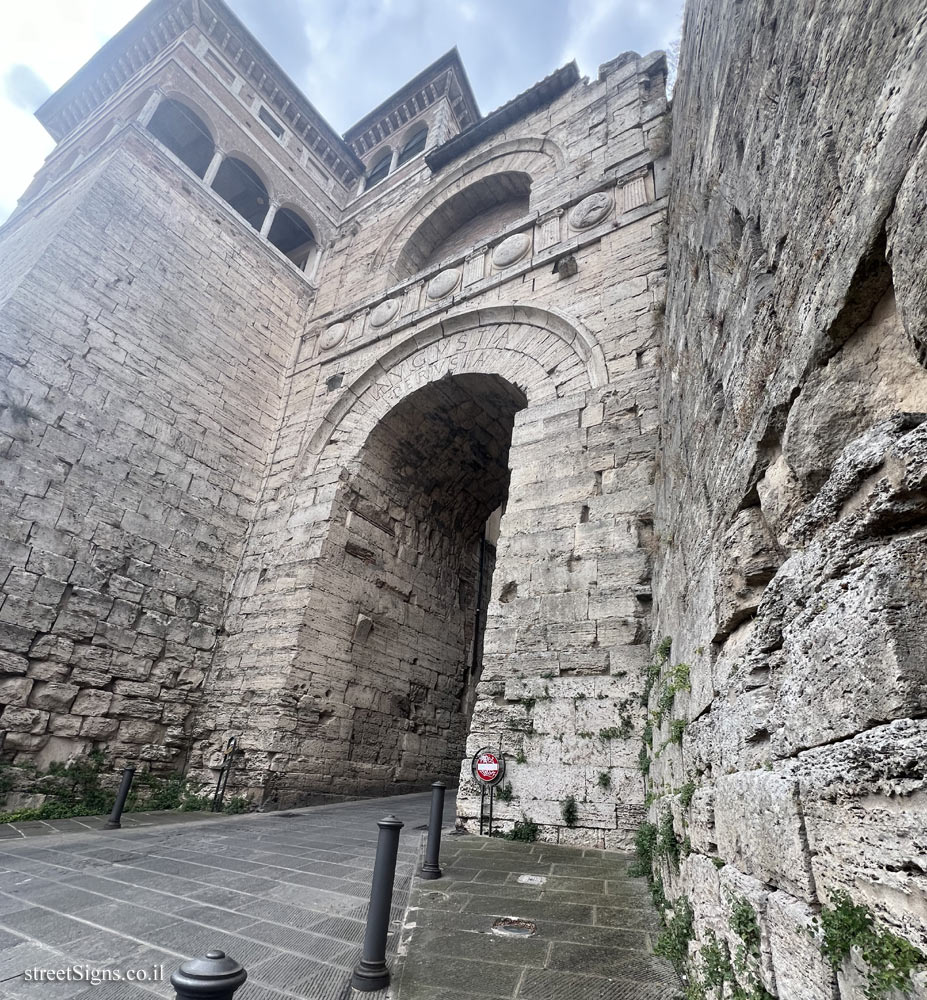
(487, 766)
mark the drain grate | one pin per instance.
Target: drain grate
(514, 927)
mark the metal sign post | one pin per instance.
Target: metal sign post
(488, 768)
(228, 759)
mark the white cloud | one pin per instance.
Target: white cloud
(54, 39)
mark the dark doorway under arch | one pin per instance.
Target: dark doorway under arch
(406, 581)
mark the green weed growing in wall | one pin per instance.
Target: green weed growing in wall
(890, 959)
(568, 811)
(667, 844)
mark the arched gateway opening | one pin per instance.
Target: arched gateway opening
(408, 553)
(351, 661)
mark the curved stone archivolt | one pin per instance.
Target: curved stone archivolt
(534, 156)
(540, 351)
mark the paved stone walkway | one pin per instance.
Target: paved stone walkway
(595, 927)
(284, 893)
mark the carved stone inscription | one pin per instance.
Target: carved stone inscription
(471, 351)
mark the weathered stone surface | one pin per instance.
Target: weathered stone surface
(801, 971)
(23, 720)
(15, 690)
(759, 828)
(52, 696)
(864, 801)
(793, 449)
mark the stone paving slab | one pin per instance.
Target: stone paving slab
(595, 927)
(283, 893)
(84, 824)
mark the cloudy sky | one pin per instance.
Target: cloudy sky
(347, 55)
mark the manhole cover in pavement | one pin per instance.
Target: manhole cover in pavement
(514, 927)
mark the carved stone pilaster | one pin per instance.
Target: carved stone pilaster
(547, 230)
(474, 267)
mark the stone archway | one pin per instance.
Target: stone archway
(361, 585)
(399, 583)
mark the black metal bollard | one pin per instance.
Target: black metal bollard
(215, 976)
(432, 867)
(113, 823)
(371, 972)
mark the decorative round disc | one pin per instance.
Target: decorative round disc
(591, 210)
(333, 336)
(443, 283)
(384, 312)
(511, 249)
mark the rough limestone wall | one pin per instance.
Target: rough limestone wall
(788, 748)
(142, 357)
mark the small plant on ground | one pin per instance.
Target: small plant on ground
(505, 793)
(645, 843)
(86, 787)
(237, 804)
(525, 830)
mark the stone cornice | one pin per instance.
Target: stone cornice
(155, 29)
(541, 94)
(445, 77)
(237, 45)
(146, 36)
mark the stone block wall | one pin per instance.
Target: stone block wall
(143, 353)
(787, 747)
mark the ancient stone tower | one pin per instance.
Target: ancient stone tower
(465, 430)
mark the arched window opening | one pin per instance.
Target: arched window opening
(184, 133)
(379, 170)
(292, 236)
(414, 146)
(473, 214)
(241, 187)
